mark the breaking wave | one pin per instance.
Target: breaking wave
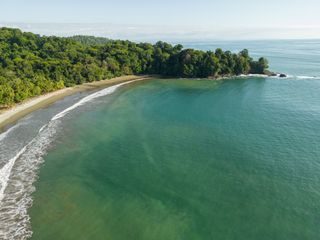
(307, 77)
(288, 76)
(17, 178)
(20, 172)
(4, 134)
(89, 98)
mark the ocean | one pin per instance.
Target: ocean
(173, 158)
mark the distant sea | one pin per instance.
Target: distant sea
(174, 158)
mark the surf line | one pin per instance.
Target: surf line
(5, 171)
(89, 98)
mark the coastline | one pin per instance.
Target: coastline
(13, 114)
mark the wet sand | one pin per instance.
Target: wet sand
(11, 115)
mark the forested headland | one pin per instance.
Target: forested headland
(32, 65)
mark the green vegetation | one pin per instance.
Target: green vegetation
(31, 65)
(90, 40)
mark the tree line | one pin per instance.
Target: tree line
(32, 65)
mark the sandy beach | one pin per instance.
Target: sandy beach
(11, 115)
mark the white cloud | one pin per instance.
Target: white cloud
(168, 33)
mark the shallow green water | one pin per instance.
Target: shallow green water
(186, 159)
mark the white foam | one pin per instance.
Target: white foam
(307, 77)
(278, 76)
(42, 128)
(19, 173)
(257, 75)
(89, 98)
(4, 134)
(5, 172)
(17, 178)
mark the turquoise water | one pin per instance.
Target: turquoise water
(297, 58)
(187, 159)
(173, 158)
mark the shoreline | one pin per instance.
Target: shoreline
(13, 114)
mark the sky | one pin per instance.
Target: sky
(211, 19)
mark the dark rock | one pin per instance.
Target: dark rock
(282, 75)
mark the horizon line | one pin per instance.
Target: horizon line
(139, 32)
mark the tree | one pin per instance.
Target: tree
(31, 64)
(260, 66)
(6, 95)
